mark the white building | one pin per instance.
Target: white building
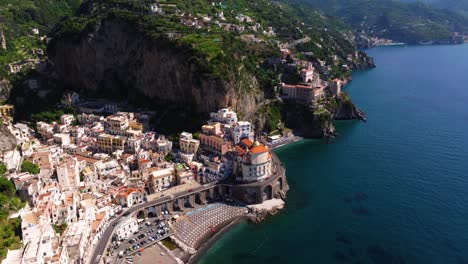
(45, 130)
(185, 157)
(225, 116)
(40, 242)
(255, 162)
(161, 179)
(240, 130)
(61, 139)
(130, 196)
(12, 159)
(21, 132)
(68, 172)
(126, 228)
(307, 75)
(88, 210)
(67, 120)
(163, 146)
(188, 144)
(76, 238)
(155, 8)
(89, 118)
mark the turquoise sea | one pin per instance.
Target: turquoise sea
(393, 190)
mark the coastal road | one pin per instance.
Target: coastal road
(102, 243)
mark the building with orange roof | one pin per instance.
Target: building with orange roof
(305, 93)
(130, 196)
(215, 143)
(254, 162)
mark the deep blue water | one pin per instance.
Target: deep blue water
(393, 190)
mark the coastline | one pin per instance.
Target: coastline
(291, 140)
(207, 244)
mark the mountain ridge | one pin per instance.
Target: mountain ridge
(411, 23)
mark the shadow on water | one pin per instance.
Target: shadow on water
(342, 238)
(361, 211)
(359, 197)
(461, 260)
(297, 199)
(451, 246)
(348, 199)
(380, 255)
(341, 256)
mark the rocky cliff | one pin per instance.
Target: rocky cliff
(346, 110)
(7, 140)
(112, 58)
(5, 89)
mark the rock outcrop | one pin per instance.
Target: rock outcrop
(348, 111)
(7, 140)
(115, 59)
(5, 89)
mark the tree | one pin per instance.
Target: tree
(3, 169)
(7, 187)
(196, 135)
(59, 229)
(30, 167)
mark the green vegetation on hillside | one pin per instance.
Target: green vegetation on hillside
(406, 22)
(52, 115)
(10, 229)
(3, 169)
(20, 17)
(460, 6)
(216, 51)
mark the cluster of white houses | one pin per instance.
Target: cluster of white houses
(93, 166)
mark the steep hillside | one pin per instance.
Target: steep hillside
(460, 6)
(411, 23)
(7, 140)
(114, 60)
(23, 22)
(193, 55)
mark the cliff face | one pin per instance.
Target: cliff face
(113, 58)
(346, 110)
(7, 140)
(5, 89)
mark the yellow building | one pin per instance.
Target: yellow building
(108, 143)
(7, 111)
(135, 125)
